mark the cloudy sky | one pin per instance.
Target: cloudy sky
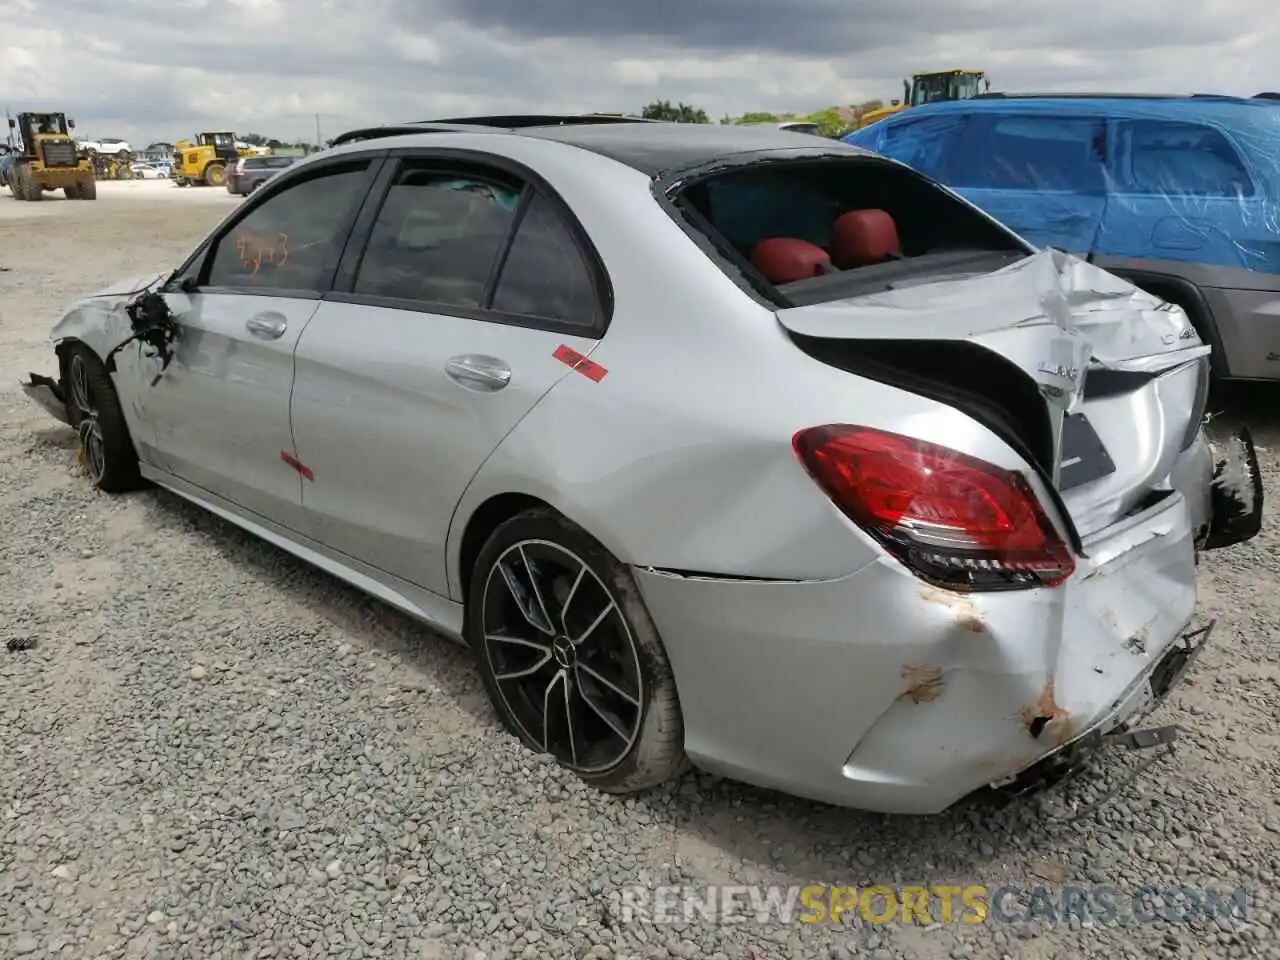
(151, 70)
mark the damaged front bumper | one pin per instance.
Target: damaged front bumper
(48, 393)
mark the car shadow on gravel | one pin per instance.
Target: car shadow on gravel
(1255, 405)
(375, 623)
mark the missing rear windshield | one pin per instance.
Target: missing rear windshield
(809, 231)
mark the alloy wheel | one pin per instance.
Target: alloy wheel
(92, 441)
(562, 655)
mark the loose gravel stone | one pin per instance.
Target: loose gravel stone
(335, 783)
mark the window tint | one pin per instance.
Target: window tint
(437, 237)
(545, 274)
(1030, 153)
(1182, 159)
(291, 241)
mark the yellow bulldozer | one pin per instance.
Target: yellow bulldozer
(204, 162)
(932, 87)
(42, 157)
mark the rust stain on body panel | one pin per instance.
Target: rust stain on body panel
(921, 684)
(1046, 721)
(964, 608)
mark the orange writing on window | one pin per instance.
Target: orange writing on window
(256, 249)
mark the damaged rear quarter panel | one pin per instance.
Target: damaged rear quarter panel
(907, 686)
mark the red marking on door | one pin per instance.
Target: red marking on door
(588, 368)
(297, 464)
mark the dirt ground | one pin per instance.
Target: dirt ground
(214, 751)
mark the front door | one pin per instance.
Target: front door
(407, 381)
(1043, 175)
(221, 410)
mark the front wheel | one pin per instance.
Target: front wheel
(106, 449)
(569, 656)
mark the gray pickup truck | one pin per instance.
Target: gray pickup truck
(249, 173)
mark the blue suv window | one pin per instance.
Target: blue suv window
(920, 142)
(1003, 152)
(1180, 159)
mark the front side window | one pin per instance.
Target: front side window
(1033, 152)
(1181, 159)
(292, 240)
(437, 237)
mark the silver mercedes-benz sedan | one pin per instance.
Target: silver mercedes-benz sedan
(714, 444)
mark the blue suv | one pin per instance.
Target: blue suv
(1179, 194)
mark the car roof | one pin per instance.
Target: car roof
(652, 147)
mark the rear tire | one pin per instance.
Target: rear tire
(94, 410)
(72, 191)
(88, 190)
(569, 656)
(215, 175)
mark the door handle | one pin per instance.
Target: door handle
(268, 326)
(478, 372)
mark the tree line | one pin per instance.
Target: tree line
(832, 121)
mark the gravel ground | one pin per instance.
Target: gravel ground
(214, 751)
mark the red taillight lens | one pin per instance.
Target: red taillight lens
(952, 519)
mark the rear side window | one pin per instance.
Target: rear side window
(437, 237)
(545, 274)
(1031, 152)
(1180, 159)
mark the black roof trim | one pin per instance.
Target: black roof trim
(510, 122)
(521, 120)
(402, 129)
(998, 95)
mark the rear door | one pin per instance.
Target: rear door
(220, 411)
(1041, 174)
(1183, 193)
(448, 323)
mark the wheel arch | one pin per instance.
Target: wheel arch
(467, 538)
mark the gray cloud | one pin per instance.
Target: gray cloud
(161, 69)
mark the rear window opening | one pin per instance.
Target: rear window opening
(812, 231)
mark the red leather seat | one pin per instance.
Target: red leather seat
(860, 238)
(786, 260)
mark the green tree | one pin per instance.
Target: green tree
(757, 117)
(679, 113)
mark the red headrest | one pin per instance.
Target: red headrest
(786, 260)
(860, 238)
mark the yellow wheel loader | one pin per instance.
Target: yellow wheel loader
(42, 157)
(204, 162)
(932, 87)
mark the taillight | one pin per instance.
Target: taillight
(950, 518)
(239, 167)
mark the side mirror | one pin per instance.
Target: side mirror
(906, 91)
(12, 123)
(987, 83)
(71, 124)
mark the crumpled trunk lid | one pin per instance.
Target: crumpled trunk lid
(1102, 385)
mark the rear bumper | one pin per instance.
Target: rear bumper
(880, 692)
(47, 392)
